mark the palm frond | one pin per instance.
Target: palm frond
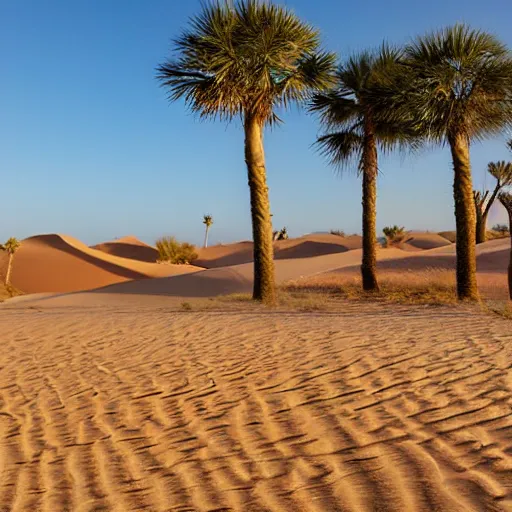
(245, 57)
(457, 80)
(502, 171)
(343, 149)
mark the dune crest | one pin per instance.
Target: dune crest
(61, 263)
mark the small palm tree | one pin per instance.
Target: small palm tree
(207, 221)
(246, 59)
(10, 247)
(502, 171)
(457, 84)
(505, 199)
(355, 130)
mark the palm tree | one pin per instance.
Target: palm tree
(502, 171)
(248, 58)
(207, 221)
(457, 84)
(506, 200)
(10, 247)
(355, 131)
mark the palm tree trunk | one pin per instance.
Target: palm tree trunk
(206, 237)
(464, 218)
(481, 228)
(264, 284)
(370, 169)
(9, 268)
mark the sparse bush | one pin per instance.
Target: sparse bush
(283, 234)
(338, 232)
(172, 251)
(502, 229)
(394, 234)
(280, 235)
(186, 306)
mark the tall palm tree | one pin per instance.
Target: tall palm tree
(505, 199)
(502, 171)
(207, 221)
(247, 59)
(10, 247)
(457, 84)
(355, 131)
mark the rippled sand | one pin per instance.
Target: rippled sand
(129, 407)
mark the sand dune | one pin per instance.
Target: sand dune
(214, 282)
(371, 408)
(59, 263)
(303, 247)
(425, 241)
(129, 247)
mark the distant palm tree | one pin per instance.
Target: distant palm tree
(502, 171)
(245, 59)
(457, 84)
(355, 130)
(207, 221)
(506, 200)
(10, 247)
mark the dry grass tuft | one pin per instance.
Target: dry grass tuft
(432, 286)
(8, 291)
(501, 308)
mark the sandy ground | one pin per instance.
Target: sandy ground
(136, 407)
(117, 399)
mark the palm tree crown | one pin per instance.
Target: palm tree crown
(457, 81)
(11, 246)
(502, 171)
(344, 109)
(246, 59)
(207, 220)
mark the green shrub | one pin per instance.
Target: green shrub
(172, 251)
(394, 234)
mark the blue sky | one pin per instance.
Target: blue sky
(90, 147)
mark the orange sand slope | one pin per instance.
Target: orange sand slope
(129, 247)
(373, 408)
(59, 263)
(216, 281)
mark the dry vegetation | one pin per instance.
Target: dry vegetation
(430, 286)
(8, 291)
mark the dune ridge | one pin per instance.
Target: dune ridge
(60, 263)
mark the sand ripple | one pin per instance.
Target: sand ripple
(374, 409)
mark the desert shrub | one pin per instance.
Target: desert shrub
(280, 235)
(337, 232)
(283, 234)
(394, 234)
(172, 251)
(502, 229)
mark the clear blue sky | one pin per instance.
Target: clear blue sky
(90, 147)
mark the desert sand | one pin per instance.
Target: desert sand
(141, 408)
(118, 398)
